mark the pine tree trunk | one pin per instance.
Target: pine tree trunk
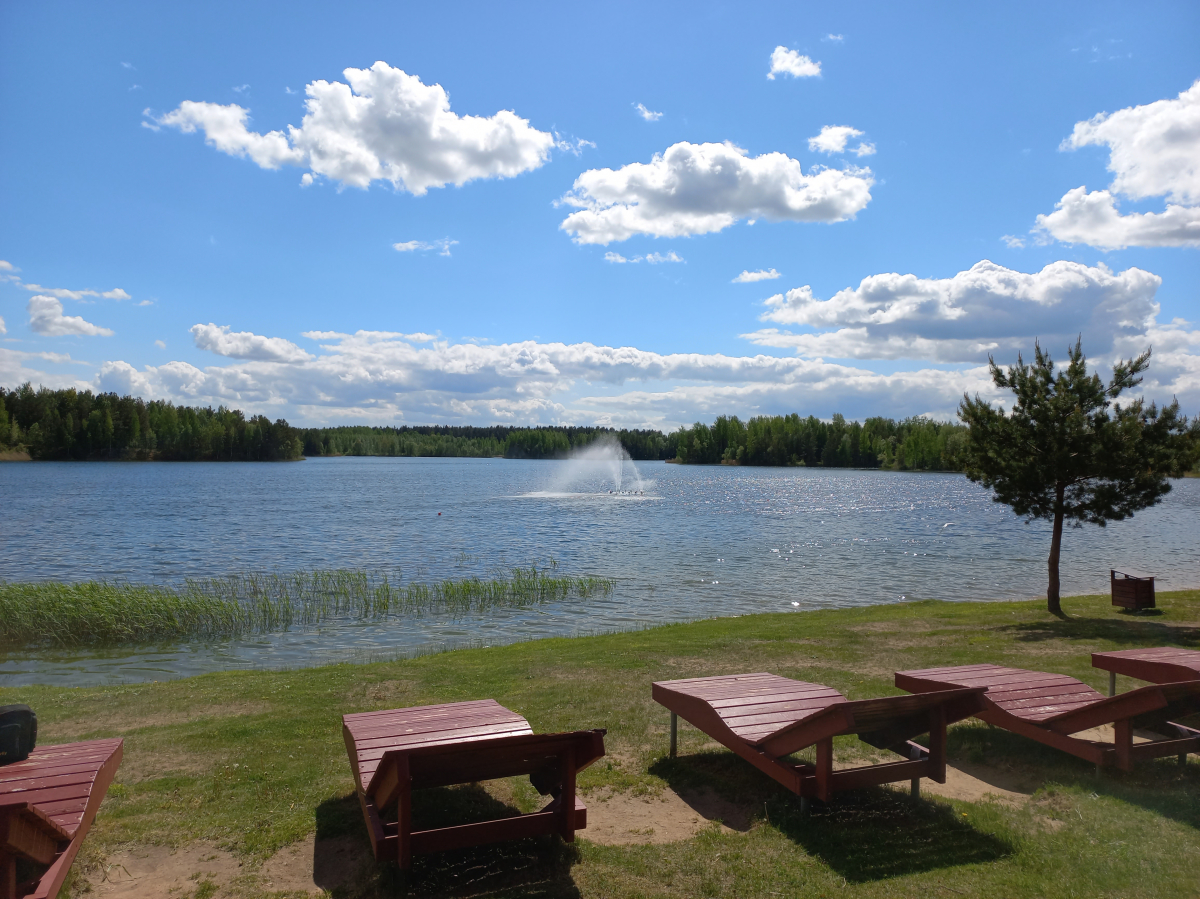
(1052, 601)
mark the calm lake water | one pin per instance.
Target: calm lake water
(681, 542)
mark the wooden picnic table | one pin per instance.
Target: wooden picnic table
(47, 804)
(1158, 665)
(397, 751)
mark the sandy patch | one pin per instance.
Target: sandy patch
(975, 783)
(313, 865)
(620, 819)
(146, 872)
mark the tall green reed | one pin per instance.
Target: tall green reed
(106, 612)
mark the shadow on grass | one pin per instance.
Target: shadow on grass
(874, 834)
(863, 835)
(531, 868)
(1159, 785)
(1137, 631)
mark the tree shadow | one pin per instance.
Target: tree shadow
(1126, 630)
(1159, 785)
(876, 834)
(863, 835)
(532, 868)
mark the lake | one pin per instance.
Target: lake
(682, 542)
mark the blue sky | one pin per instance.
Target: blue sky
(137, 159)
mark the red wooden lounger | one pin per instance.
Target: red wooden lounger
(47, 804)
(764, 717)
(1050, 707)
(395, 752)
(1159, 665)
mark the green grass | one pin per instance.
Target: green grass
(104, 612)
(253, 761)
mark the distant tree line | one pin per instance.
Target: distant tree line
(77, 425)
(72, 424)
(499, 440)
(917, 444)
(914, 444)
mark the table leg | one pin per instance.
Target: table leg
(674, 733)
(1112, 683)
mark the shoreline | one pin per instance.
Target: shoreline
(207, 757)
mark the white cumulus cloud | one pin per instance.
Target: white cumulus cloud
(986, 309)
(833, 139)
(749, 277)
(382, 125)
(411, 246)
(221, 340)
(700, 188)
(789, 62)
(652, 258)
(63, 293)
(1093, 219)
(46, 317)
(648, 114)
(1154, 151)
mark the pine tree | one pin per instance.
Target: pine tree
(1067, 452)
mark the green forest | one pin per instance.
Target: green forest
(80, 425)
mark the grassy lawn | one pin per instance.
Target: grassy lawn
(252, 763)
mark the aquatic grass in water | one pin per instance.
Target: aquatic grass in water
(105, 612)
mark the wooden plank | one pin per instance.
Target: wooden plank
(500, 830)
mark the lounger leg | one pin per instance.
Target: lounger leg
(404, 815)
(1123, 733)
(674, 734)
(825, 769)
(8, 876)
(1112, 683)
(566, 798)
(937, 744)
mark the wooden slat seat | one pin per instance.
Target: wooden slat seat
(397, 751)
(1050, 708)
(47, 805)
(764, 717)
(1158, 665)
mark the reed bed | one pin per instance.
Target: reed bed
(236, 605)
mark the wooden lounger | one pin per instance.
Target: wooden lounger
(1050, 708)
(1158, 665)
(764, 717)
(395, 752)
(47, 804)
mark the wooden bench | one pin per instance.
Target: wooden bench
(395, 752)
(47, 805)
(764, 718)
(1050, 708)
